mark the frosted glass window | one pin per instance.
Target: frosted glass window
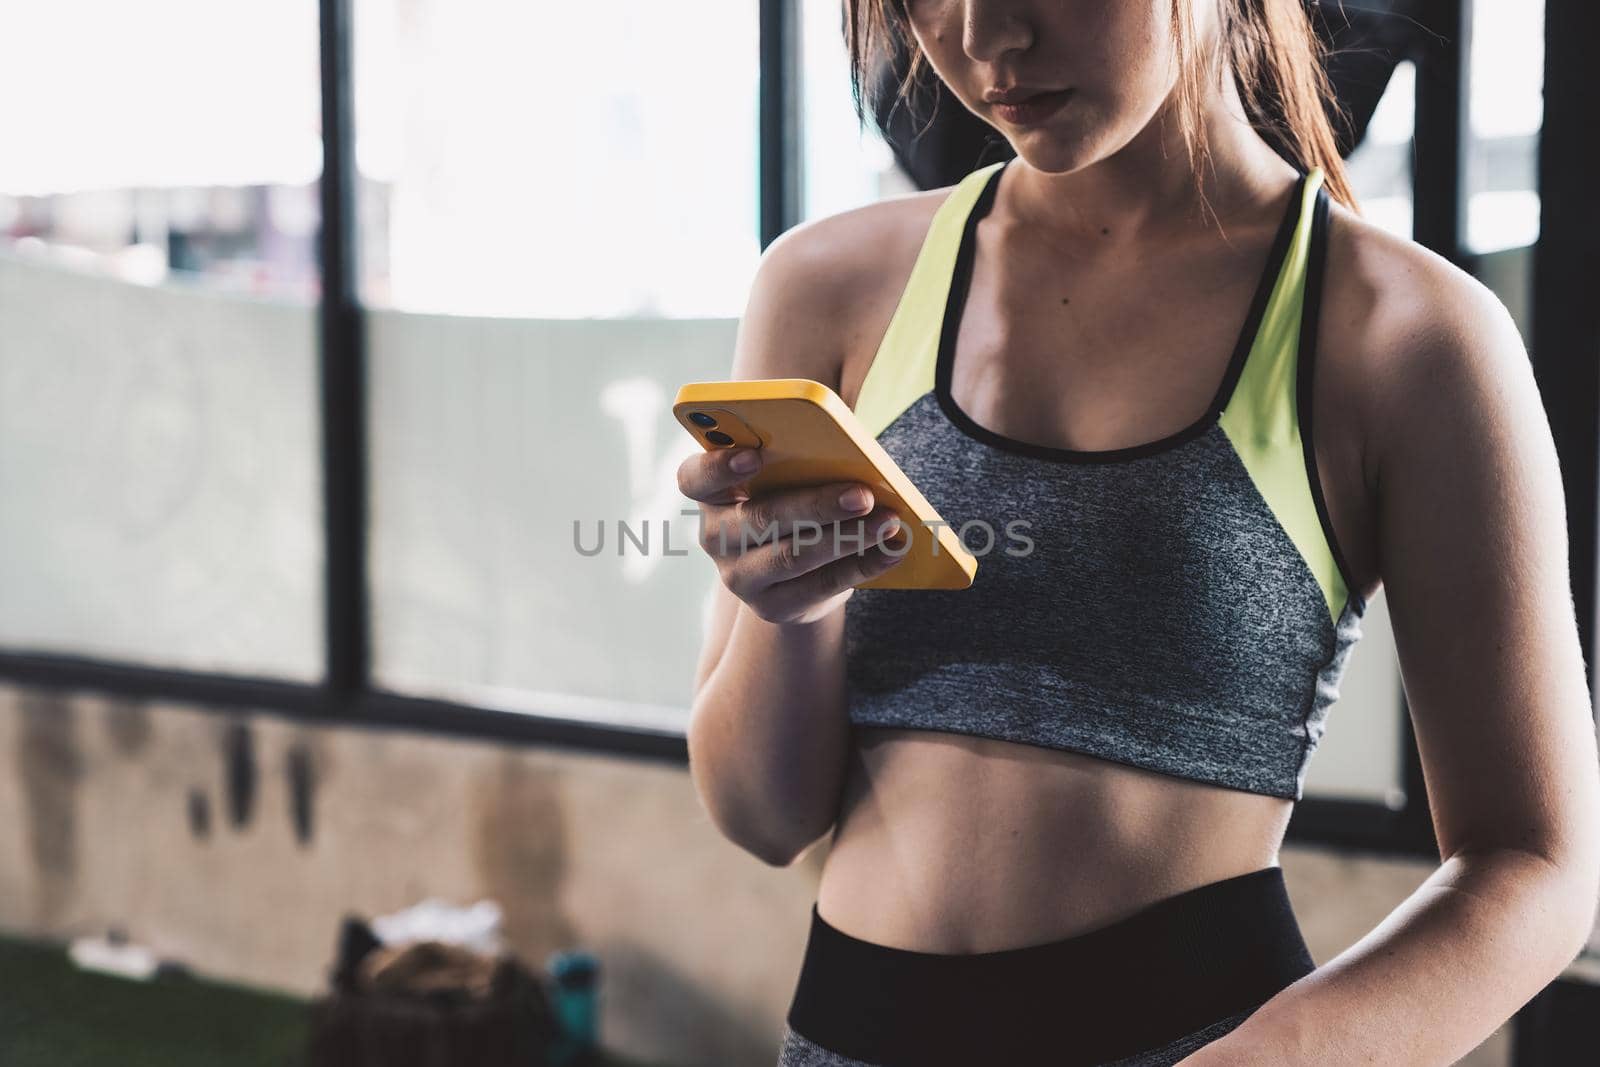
(159, 488)
(168, 140)
(1506, 105)
(490, 439)
(160, 498)
(548, 159)
(845, 164)
(1381, 166)
(550, 248)
(1360, 757)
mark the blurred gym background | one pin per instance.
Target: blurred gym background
(334, 338)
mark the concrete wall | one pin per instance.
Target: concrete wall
(186, 828)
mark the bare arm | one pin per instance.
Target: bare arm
(1473, 554)
(768, 731)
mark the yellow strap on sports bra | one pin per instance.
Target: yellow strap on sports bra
(903, 369)
(1262, 418)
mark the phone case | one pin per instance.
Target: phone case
(808, 436)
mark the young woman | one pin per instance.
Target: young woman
(1227, 410)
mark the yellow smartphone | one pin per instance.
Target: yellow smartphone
(808, 436)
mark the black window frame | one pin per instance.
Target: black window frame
(1567, 326)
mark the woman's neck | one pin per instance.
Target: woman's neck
(1146, 189)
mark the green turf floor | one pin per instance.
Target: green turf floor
(54, 1015)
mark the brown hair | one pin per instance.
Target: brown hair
(1276, 55)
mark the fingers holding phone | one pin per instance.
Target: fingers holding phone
(787, 450)
(792, 555)
(718, 477)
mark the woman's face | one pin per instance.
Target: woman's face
(1114, 56)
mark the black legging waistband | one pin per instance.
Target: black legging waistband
(1168, 970)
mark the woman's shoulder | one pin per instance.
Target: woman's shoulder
(1402, 290)
(825, 289)
(1399, 321)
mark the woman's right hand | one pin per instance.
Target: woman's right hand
(792, 555)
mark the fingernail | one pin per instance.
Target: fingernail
(745, 461)
(854, 499)
(889, 529)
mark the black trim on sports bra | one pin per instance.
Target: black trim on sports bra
(1305, 367)
(955, 304)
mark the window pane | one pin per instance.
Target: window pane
(1506, 105)
(1380, 167)
(133, 153)
(1360, 756)
(483, 462)
(508, 171)
(159, 493)
(553, 248)
(1502, 180)
(845, 165)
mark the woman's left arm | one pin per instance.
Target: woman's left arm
(1472, 547)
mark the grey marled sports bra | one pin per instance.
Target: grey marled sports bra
(1179, 606)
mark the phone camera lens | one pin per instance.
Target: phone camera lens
(717, 437)
(700, 418)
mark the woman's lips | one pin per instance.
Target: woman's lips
(1034, 109)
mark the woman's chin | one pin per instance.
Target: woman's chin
(1052, 151)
